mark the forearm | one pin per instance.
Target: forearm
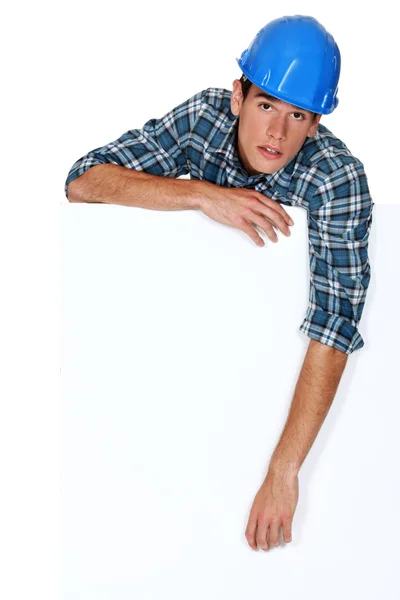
(112, 184)
(314, 393)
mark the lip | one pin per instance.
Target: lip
(267, 155)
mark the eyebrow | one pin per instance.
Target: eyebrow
(273, 99)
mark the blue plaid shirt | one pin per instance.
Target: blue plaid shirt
(199, 137)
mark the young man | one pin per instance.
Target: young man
(249, 152)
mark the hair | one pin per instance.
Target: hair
(246, 85)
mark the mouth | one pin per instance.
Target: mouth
(269, 152)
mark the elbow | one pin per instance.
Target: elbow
(81, 189)
(74, 191)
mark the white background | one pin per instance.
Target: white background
(75, 77)
(181, 352)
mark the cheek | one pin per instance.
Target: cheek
(296, 137)
(254, 133)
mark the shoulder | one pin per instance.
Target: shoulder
(211, 116)
(325, 167)
(325, 155)
(218, 98)
(214, 101)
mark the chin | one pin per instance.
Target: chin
(269, 170)
(269, 167)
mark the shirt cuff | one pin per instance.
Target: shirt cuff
(331, 330)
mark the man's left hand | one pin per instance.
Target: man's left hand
(273, 506)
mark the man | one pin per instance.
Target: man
(249, 152)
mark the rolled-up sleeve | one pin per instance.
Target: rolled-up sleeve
(159, 147)
(339, 222)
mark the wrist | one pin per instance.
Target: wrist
(196, 192)
(285, 469)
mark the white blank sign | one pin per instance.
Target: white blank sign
(180, 354)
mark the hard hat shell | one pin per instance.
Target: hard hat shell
(296, 60)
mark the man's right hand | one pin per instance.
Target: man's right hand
(242, 208)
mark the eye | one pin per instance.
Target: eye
(299, 117)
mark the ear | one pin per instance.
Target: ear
(314, 126)
(236, 97)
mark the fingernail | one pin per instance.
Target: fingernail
(291, 221)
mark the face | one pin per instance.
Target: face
(264, 120)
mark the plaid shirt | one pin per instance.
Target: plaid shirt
(199, 137)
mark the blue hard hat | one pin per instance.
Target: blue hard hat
(296, 60)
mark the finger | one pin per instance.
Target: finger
(250, 533)
(270, 214)
(276, 206)
(251, 216)
(267, 226)
(287, 531)
(276, 219)
(261, 535)
(274, 533)
(247, 228)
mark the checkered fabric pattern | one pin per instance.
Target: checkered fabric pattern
(199, 138)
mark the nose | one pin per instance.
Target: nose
(277, 128)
